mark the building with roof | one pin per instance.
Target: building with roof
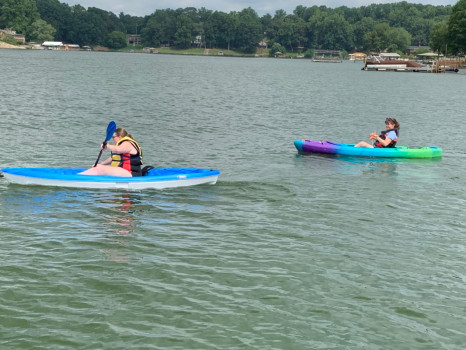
(20, 38)
(357, 56)
(389, 56)
(52, 45)
(134, 39)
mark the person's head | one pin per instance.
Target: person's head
(120, 133)
(392, 123)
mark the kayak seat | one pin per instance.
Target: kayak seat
(145, 170)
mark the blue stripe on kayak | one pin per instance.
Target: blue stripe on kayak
(158, 174)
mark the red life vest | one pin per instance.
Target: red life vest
(128, 161)
(392, 144)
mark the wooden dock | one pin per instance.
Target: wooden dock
(436, 66)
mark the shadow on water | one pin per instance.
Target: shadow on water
(87, 220)
(61, 205)
(119, 215)
(94, 212)
(356, 166)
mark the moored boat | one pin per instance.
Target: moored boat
(327, 147)
(156, 178)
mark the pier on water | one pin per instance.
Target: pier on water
(329, 56)
(446, 65)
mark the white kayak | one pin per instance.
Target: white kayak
(156, 178)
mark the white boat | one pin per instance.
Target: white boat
(156, 178)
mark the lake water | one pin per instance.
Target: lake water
(284, 252)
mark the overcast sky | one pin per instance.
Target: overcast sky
(147, 7)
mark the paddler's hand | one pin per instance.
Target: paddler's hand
(103, 146)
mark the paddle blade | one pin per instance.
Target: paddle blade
(110, 130)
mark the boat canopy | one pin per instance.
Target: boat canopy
(52, 43)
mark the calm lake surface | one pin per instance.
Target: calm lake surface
(284, 252)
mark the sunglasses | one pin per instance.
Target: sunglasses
(389, 120)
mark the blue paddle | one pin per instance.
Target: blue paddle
(110, 130)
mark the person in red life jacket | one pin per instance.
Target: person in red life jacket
(387, 138)
(126, 158)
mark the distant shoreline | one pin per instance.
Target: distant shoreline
(168, 51)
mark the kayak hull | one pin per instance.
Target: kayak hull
(157, 178)
(327, 147)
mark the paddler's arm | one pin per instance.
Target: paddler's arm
(107, 161)
(385, 142)
(125, 147)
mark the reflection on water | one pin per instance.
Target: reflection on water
(120, 217)
(119, 213)
(321, 164)
(380, 169)
(69, 214)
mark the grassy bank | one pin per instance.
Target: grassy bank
(207, 52)
(173, 51)
(192, 51)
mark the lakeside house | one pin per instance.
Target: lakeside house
(134, 39)
(263, 44)
(8, 32)
(357, 56)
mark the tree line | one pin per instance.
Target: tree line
(375, 27)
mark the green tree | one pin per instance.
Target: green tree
(360, 28)
(438, 37)
(249, 31)
(309, 53)
(184, 32)
(329, 30)
(160, 28)
(338, 33)
(420, 51)
(315, 33)
(300, 11)
(223, 29)
(201, 25)
(131, 24)
(266, 22)
(18, 15)
(285, 32)
(276, 47)
(58, 15)
(273, 25)
(41, 31)
(399, 38)
(457, 28)
(152, 33)
(99, 24)
(420, 30)
(116, 40)
(378, 38)
(291, 32)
